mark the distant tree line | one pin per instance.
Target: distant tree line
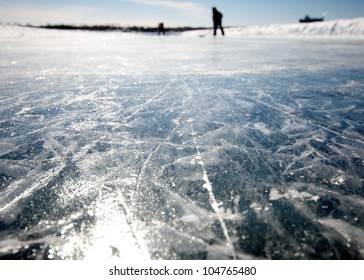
(106, 28)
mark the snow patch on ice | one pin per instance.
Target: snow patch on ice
(262, 127)
(338, 180)
(291, 194)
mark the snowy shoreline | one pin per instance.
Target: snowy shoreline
(337, 29)
(343, 29)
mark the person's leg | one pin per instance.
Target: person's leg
(222, 30)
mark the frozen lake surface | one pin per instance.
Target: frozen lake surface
(179, 147)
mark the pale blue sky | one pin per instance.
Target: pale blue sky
(173, 12)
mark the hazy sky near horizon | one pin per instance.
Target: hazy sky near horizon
(173, 12)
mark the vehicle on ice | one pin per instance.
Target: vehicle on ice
(308, 19)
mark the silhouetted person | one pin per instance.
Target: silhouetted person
(161, 29)
(217, 18)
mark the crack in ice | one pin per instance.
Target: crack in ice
(212, 199)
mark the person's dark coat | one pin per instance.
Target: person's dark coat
(217, 17)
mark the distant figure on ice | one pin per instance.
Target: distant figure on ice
(217, 18)
(161, 29)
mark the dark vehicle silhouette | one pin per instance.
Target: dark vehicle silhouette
(308, 19)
